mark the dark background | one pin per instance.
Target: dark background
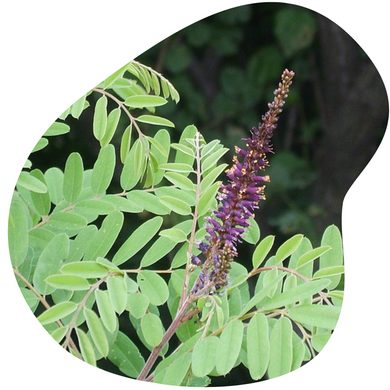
(225, 68)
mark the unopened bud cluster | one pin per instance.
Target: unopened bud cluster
(239, 198)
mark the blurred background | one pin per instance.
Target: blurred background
(226, 68)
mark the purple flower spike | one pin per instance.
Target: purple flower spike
(240, 197)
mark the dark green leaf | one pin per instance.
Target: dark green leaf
(100, 118)
(73, 177)
(57, 312)
(103, 170)
(138, 239)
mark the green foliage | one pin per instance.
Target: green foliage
(80, 266)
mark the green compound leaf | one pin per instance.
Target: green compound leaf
(138, 239)
(86, 347)
(296, 294)
(155, 120)
(98, 335)
(106, 310)
(204, 356)
(18, 238)
(258, 346)
(103, 170)
(105, 237)
(153, 286)
(152, 329)
(145, 101)
(281, 348)
(85, 269)
(117, 292)
(31, 183)
(175, 205)
(287, 248)
(100, 118)
(73, 177)
(57, 312)
(68, 282)
(262, 251)
(229, 347)
(316, 315)
(126, 356)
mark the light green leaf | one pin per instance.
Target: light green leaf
(85, 269)
(57, 312)
(329, 272)
(31, 183)
(125, 144)
(207, 198)
(262, 251)
(126, 356)
(155, 120)
(176, 167)
(59, 334)
(94, 207)
(152, 329)
(153, 286)
(296, 294)
(73, 177)
(123, 204)
(179, 180)
(57, 128)
(106, 310)
(334, 257)
(204, 356)
(68, 282)
(144, 101)
(311, 255)
(49, 262)
(213, 158)
(184, 149)
(41, 201)
(134, 166)
(175, 235)
(105, 237)
(176, 371)
(97, 331)
(229, 347)
(137, 240)
(175, 205)
(211, 176)
(54, 179)
(78, 107)
(18, 238)
(148, 201)
(42, 143)
(281, 349)
(66, 222)
(258, 346)
(188, 133)
(117, 292)
(137, 304)
(103, 170)
(100, 118)
(112, 123)
(287, 248)
(87, 351)
(316, 315)
(252, 234)
(319, 340)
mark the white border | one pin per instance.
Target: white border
(52, 52)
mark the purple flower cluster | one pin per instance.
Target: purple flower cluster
(239, 198)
